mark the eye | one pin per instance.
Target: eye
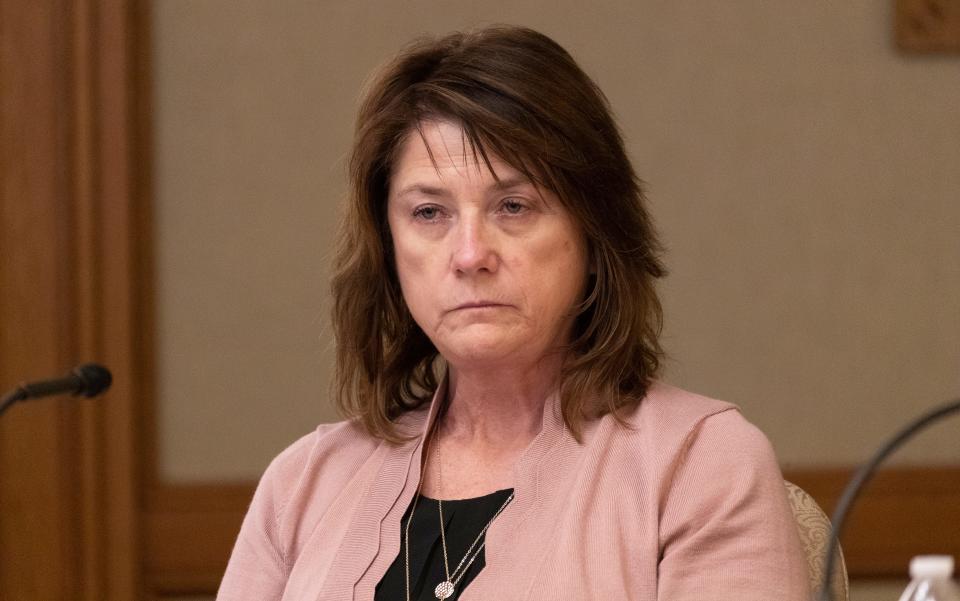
(513, 206)
(427, 212)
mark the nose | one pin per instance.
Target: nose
(474, 247)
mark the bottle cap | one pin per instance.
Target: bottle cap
(931, 566)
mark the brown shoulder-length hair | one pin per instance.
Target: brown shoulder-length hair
(520, 96)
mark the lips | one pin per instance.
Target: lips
(478, 305)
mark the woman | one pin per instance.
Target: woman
(497, 330)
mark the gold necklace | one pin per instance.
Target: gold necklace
(446, 588)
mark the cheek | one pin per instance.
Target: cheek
(559, 273)
(406, 252)
(413, 267)
(408, 270)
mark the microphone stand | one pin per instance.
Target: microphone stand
(863, 475)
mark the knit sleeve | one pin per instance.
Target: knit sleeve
(258, 570)
(727, 531)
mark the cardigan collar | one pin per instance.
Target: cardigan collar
(373, 539)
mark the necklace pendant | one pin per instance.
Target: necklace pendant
(443, 590)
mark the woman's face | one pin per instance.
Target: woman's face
(490, 270)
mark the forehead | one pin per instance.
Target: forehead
(442, 150)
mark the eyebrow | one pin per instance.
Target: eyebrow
(428, 190)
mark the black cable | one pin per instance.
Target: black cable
(863, 475)
(17, 395)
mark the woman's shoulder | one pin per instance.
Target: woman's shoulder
(332, 441)
(669, 408)
(670, 417)
(330, 456)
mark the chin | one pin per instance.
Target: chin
(477, 351)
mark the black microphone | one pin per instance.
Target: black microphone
(89, 380)
(863, 475)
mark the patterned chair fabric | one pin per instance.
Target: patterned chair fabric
(814, 527)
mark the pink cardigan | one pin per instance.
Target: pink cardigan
(688, 503)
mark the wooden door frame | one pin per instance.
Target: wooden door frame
(70, 524)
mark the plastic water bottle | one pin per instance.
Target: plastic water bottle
(931, 579)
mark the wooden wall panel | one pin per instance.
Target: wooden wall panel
(929, 26)
(39, 541)
(901, 513)
(189, 533)
(69, 518)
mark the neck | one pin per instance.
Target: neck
(500, 409)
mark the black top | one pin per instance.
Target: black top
(465, 519)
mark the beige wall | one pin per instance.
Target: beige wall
(805, 176)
